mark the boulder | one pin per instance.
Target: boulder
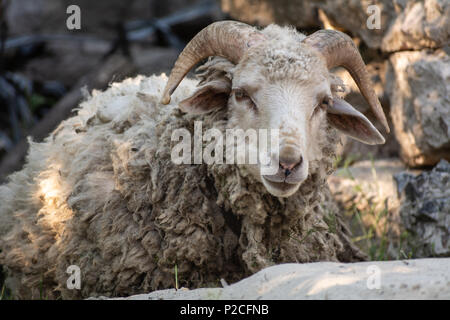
(352, 16)
(70, 61)
(66, 61)
(399, 280)
(367, 194)
(404, 24)
(367, 185)
(301, 14)
(26, 17)
(425, 209)
(421, 24)
(419, 87)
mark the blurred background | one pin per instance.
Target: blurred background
(396, 197)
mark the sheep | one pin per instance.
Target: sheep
(103, 194)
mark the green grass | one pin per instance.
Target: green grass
(176, 277)
(300, 241)
(2, 284)
(345, 162)
(331, 221)
(2, 293)
(36, 101)
(371, 225)
(5, 293)
(377, 244)
(41, 289)
(374, 237)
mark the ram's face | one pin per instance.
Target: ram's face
(290, 101)
(278, 81)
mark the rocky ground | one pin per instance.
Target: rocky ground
(395, 212)
(406, 279)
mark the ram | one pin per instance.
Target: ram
(102, 192)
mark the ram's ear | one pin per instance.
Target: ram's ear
(212, 95)
(353, 123)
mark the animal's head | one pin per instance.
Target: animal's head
(279, 79)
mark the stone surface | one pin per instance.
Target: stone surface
(66, 61)
(367, 185)
(420, 105)
(353, 15)
(421, 24)
(367, 194)
(404, 24)
(425, 209)
(264, 12)
(97, 17)
(26, 17)
(406, 279)
(70, 61)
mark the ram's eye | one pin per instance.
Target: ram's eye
(325, 102)
(322, 105)
(242, 96)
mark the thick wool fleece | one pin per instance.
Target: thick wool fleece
(102, 193)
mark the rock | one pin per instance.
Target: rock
(26, 17)
(301, 14)
(341, 14)
(407, 279)
(425, 209)
(367, 193)
(422, 24)
(153, 60)
(69, 62)
(66, 62)
(420, 105)
(366, 184)
(353, 15)
(404, 24)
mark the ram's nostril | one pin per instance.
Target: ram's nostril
(289, 166)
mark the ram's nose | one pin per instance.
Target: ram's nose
(290, 164)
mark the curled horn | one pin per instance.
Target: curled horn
(338, 49)
(227, 39)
